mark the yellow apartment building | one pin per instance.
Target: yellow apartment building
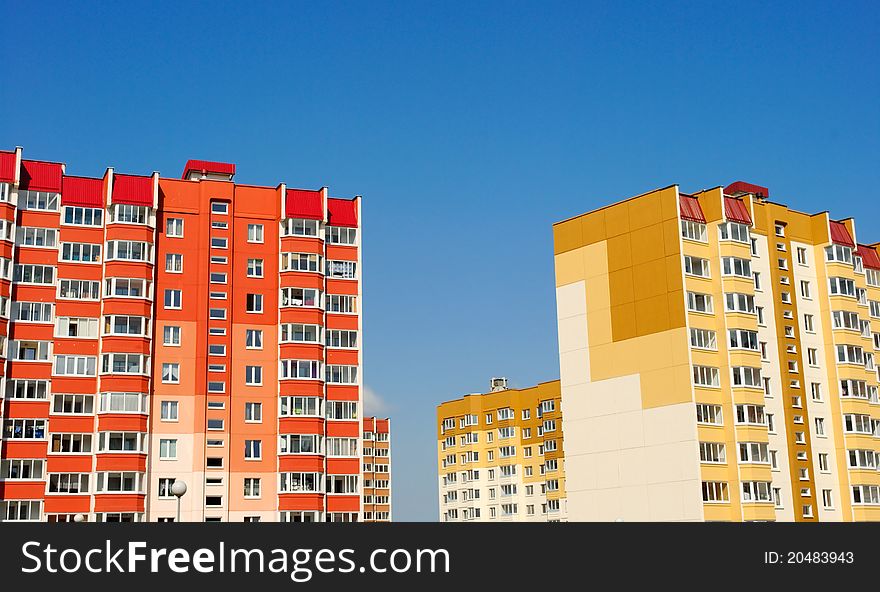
(499, 455)
(717, 361)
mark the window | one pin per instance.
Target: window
(756, 491)
(253, 339)
(820, 426)
(123, 403)
(34, 274)
(32, 312)
(129, 214)
(170, 335)
(743, 339)
(79, 290)
(699, 302)
(255, 303)
(839, 254)
(77, 216)
(812, 356)
(808, 323)
(712, 452)
(27, 389)
(735, 266)
(168, 410)
(709, 414)
(24, 429)
(300, 227)
(21, 469)
(300, 482)
(219, 242)
(121, 442)
(216, 349)
(343, 410)
(339, 374)
(802, 255)
(850, 354)
(299, 444)
(255, 268)
(706, 376)
(73, 404)
(253, 412)
(696, 266)
(301, 369)
(300, 333)
(123, 250)
(167, 449)
(305, 297)
(342, 269)
(255, 233)
(174, 263)
(750, 415)
(253, 449)
(754, 453)
(36, 237)
(174, 227)
(342, 304)
(341, 446)
(736, 302)
(694, 231)
(219, 207)
(119, 363)
(865, 494)
(839, 286)
(128, 288)
(80, 253)
(734, 232)
(81, 328)
(253, 375)
(67, 365)
(301, 262)
(218, 277)
(746, 376)
(715, 492)
(218, 314)
(126, 325)
(37, 200)
(252, 490)
(339, 235)
(170, 373)
(343, 339)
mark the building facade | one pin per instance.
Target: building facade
(717, 360)
(499, 455)
(187, 328)
(377, 470)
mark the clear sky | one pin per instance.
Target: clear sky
(469, 129)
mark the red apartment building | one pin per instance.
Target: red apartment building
(377, 470)
(154, 329)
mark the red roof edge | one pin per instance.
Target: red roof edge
(7, 167)
(840, 235)
(82, 191)
(305, 203)
(689, 209)
(133, 190)
(869, 255)
(342, 212)
(37, 175)
(740, 187)
(736, 211)
(208, 166)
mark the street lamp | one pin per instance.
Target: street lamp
(178, 488)
(79, 518)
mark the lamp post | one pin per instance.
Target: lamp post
(79, 518)
(178, 488)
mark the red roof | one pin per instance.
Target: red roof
(82, 191)
(840, 235)
(208, 166)
(305, 203)
(40, 176)
(869, 256)
(689, 208)
(736, 211)
(133, 190)
(7, 167)
(342, 212)
(743, 187)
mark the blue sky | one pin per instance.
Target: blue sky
(469, 129)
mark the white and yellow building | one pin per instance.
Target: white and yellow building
(500, 457)
(717, 361)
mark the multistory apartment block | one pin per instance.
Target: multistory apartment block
(155, 329)
(377, 470)
(499, 455)
(718, 360)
